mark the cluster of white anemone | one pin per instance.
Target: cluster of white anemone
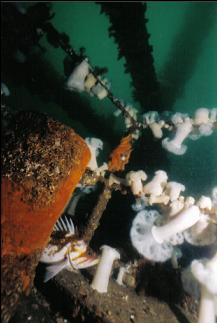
(202, 124)
(154, 235)
(153, 240)
(82, 80)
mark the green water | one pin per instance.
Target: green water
(184, 40)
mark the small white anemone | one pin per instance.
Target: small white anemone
(174, 190)
(178, 118)
(175, 145)
(94, 145)
(201, 116)
(89, 82)
(4, 89)
(206, 129)
(189, 201)
(204, 118)
(203, 233)
(156, 128)
(214, 195)
(76, 81)
(122, 271)
(135, 181)
(151, 119)
(133, 113)
(204, 202)
(156, 186)
(99, 90)
(213, 115)
(176, 206)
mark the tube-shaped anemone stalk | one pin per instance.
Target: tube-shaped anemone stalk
(205, 273)
(104, 268)
(181, 222)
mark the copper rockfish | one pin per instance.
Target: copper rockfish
(64, 251)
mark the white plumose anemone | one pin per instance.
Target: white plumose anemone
(135, 181)
(143, 240)
(94, 144)
(156, 186)
(205, 272)
(174, 189)
(175, 145)
(201, 116)
(151, 119)
(76, 81)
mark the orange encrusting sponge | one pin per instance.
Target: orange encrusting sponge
(26, 228)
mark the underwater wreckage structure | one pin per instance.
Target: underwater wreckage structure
(110, 239)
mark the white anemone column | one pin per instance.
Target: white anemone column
(181, 222)
(104, 268)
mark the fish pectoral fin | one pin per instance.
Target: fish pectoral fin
(53, 270)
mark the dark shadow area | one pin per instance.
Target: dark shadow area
(59, 300)
(178, 313)
(191, 252)
(115, 224)
(186, 49)
(164, 283)
(148, 155)
(128, 27)
(33, 308)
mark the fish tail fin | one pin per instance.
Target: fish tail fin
(53, 270)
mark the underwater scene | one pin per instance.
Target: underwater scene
(109, 162)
